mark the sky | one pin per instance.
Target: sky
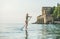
(14, 11)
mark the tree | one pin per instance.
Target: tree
(52, 10)
(56, 13)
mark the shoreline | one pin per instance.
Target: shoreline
(55, 22)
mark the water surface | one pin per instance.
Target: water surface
(35, 31)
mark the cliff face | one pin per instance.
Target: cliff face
(44, 19)
(49, 15)
(46, 16)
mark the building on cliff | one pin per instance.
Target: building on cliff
(46, 16)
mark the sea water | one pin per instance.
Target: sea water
(35, 31)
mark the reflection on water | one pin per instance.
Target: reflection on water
(35, 31)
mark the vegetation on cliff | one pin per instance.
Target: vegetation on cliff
(56, 13)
